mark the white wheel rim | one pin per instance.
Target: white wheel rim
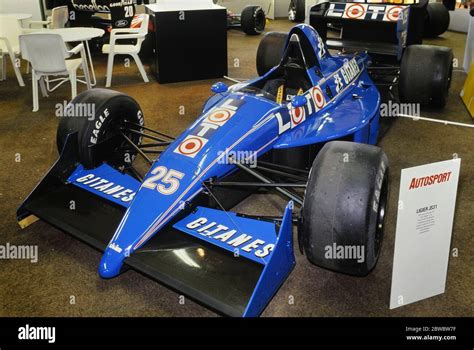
(291, 14)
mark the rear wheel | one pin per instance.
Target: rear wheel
(425, 75)
(296, 11)
(253, 20)
(270, 51)
(99, 117)
(437, 20)
(344, 207)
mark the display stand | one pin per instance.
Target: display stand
(189, 41)
(469, 50)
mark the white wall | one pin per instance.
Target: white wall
(281, 8)
(22, 6)
(236, 6)
(459, 20)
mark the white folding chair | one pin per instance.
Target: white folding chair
(47, 55)
(10, 30)
(58, 19)
(119, 49)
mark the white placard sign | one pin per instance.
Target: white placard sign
(423, 236)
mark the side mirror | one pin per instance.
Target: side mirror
(299, 101)
(219, 88)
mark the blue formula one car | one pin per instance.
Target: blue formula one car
(309, 123)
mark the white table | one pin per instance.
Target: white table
(78, 34)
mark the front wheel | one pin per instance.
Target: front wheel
(102, 119)
(253, 20)
(342, 221)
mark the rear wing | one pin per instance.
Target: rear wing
(375, 27)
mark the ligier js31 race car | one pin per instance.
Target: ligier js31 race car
(311, 122)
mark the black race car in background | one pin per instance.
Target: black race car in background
(103, 14)
(251, 19)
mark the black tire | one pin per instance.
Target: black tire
(111, 110)
(437, 20)
(345, 204)
(253, 20)
(297, 11)
(425, 75)
(270, 51)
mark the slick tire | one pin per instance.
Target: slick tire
(437, 20)
(99, 116)
(344, 207)
(425, 75)
(253, 20)
(297, 11)
(270, 51)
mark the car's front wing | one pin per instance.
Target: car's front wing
(233, 279)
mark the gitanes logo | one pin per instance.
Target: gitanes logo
(37, 333)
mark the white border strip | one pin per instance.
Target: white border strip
(445, 122)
